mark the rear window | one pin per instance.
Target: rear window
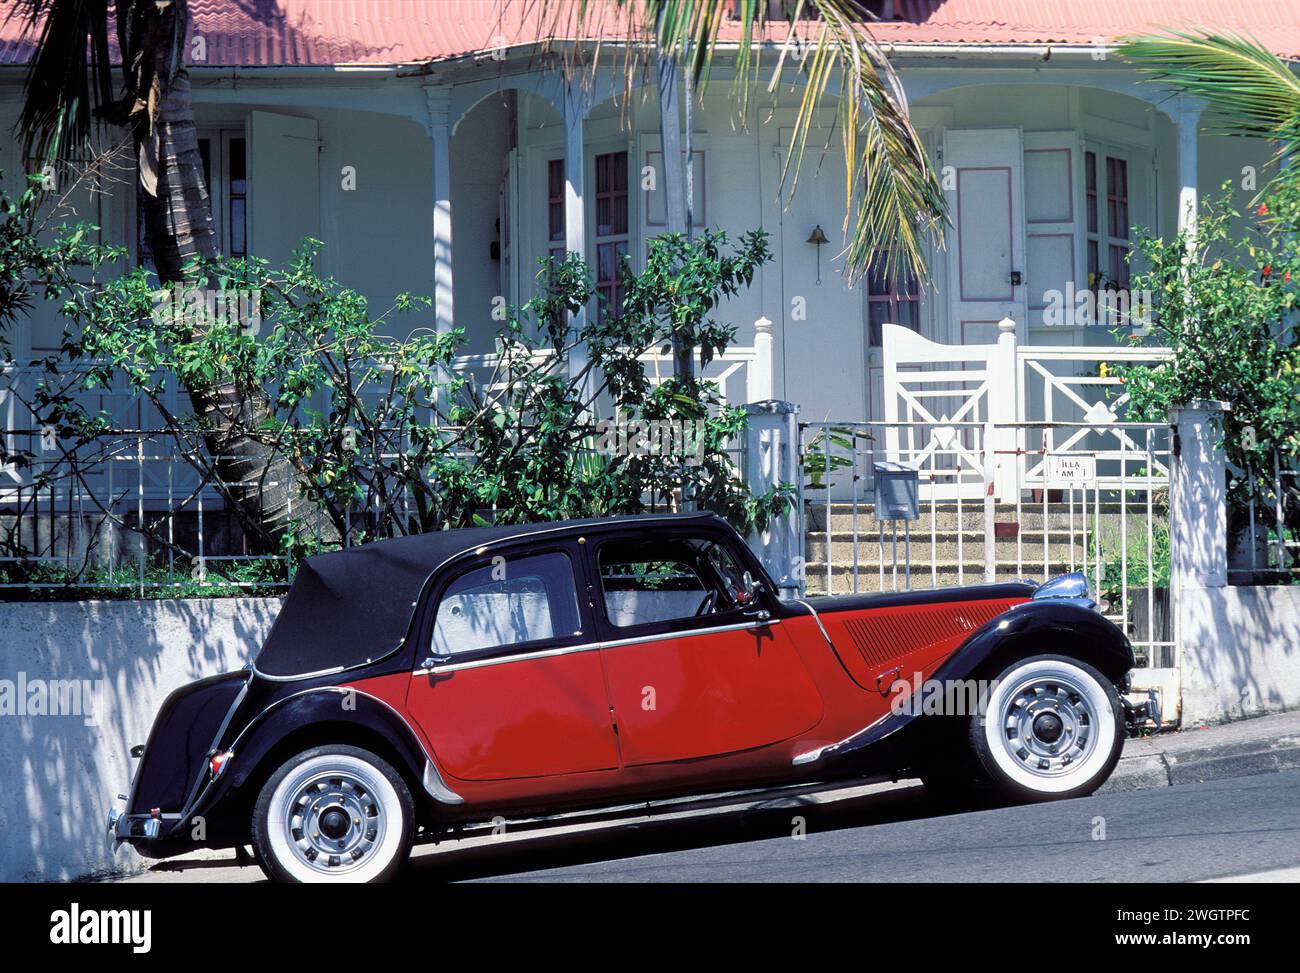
(508, 602)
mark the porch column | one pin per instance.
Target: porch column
(577, 102)
(438, 98)
(1188, 116)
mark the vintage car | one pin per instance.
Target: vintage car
(468, 675)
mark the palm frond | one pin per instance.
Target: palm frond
(894, 204)
(1248, 89)
(69, 85)
(69, 77)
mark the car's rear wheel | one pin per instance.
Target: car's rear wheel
(333, 814)
(1053, 728)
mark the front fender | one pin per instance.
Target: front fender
(1066, 627)
(1031, 628)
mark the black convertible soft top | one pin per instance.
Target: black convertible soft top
(354, 606)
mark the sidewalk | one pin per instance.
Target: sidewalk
(1262, 745)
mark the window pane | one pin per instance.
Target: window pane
(1090, 183)
(238, 231)
(877, 282)
(1119, 266)
(238, 166)
(644, 582)
(521, 600)
(906, 314)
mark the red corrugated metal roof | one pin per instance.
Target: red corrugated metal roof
(259, 33)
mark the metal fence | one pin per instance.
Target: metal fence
(129, 512)
(1091, 498)
(139, 513)
(1270, 538)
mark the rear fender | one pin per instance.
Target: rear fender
(306, 719)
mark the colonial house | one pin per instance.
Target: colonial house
(434, 146)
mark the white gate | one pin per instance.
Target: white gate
(936, 396)
(1027, 469)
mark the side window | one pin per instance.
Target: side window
(509, 602)
(648, 582)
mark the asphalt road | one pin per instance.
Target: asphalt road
(1238, 828)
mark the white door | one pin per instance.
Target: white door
(983, 176)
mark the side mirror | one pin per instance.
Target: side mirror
(749, 594)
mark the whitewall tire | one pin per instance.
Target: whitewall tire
(334, 814)
(1053, 728)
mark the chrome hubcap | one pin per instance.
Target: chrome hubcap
(1049, 726)
(334, 821)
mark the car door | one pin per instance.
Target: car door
(693, 671)
(512, 685)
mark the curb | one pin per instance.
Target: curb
(1195, 765)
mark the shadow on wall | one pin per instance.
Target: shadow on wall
(80, 683)
(1240, 651)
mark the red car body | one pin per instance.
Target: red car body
(615, 703)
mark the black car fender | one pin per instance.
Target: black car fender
(1064, 627)
(1049, 626)
(307, 718)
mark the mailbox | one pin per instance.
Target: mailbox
(897, 491)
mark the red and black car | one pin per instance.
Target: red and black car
(507, 671)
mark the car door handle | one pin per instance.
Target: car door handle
(885, 681)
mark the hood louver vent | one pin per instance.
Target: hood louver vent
(883, 637)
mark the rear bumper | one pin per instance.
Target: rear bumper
(144, 833)
(126, 827)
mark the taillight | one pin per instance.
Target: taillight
(217, 763)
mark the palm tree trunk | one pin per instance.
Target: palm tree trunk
(178, 224)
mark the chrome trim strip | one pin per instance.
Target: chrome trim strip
(437, 787)
(664, 636)
(312, 675)
(812, 756)
(818, 618)
(586, 647)
(503, 659)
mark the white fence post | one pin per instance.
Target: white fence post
(1198, 551)
(1003, 398)
(761, 380)
(1198, 513)
(771, 458)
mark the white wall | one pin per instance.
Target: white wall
(60, 774)
(379, 236)
(1240, 651)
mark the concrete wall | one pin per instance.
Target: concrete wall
(1240, 652)
(109, 665)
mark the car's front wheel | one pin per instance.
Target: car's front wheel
(333, 814)
(1053, 727)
